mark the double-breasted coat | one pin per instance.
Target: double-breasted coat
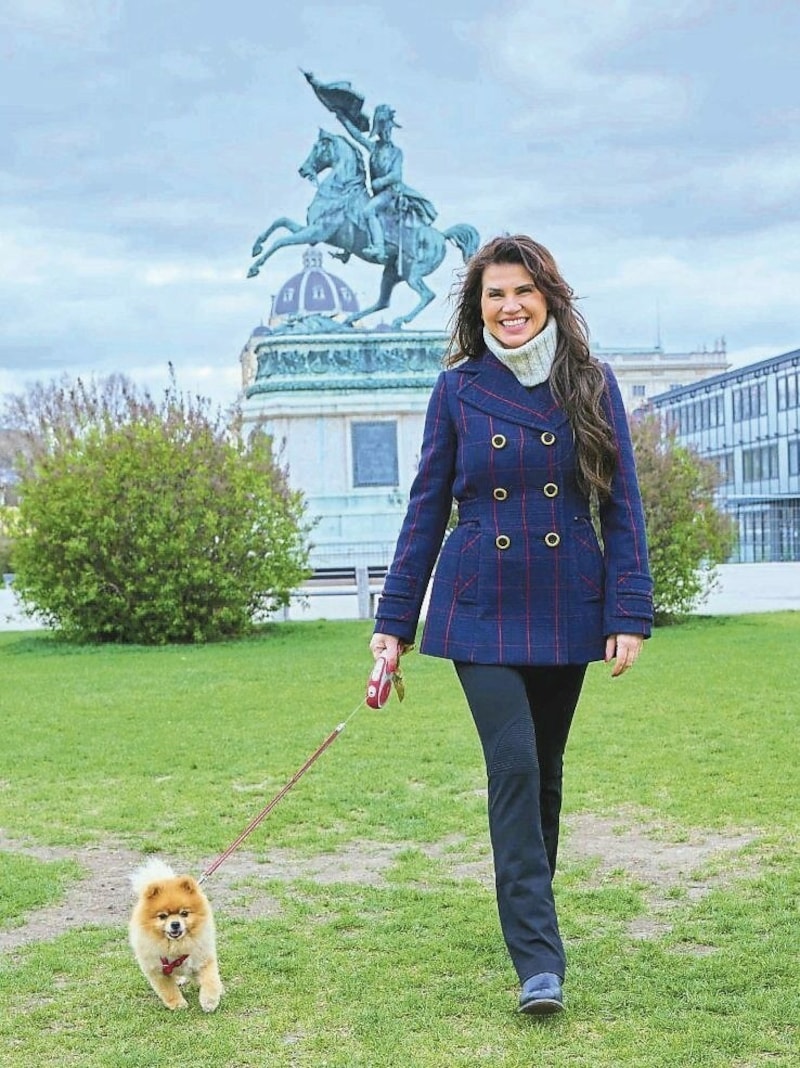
(522, 579)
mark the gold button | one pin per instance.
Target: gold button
(499, 441)
(502, 541)
(500, 494)
(548, 438)
(550, 489)
(552, 539)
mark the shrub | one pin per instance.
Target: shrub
(687, 533)
(150, 522)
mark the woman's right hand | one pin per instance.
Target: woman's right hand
(389, 646)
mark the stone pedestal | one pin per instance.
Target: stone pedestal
(346, 411)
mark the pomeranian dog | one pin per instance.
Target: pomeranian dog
(173, 936)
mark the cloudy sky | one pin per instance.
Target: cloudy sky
(653, 146)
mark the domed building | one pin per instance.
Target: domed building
(314, 295)
(314, 291)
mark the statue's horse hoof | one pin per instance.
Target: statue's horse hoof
(257, 248)
(252, 272)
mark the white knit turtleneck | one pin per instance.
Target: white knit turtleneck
(531, 362)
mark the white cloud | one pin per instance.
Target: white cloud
(753, 182)
(31, 256)
(173, 273)
(754, 281)
(167, 212)
(743, 355)
(696, 291)
(220, 384)
(187, 67)
(72, 19)
(566, 63)
(10, 382)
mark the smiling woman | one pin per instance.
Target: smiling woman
(527, 432)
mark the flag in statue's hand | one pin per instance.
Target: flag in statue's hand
(341, 99)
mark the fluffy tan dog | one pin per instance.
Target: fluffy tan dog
(173, 937)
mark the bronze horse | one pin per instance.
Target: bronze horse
(336, 217)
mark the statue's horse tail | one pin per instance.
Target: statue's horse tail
(465, 237)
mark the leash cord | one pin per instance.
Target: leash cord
(262, 815)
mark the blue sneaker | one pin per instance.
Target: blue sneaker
(541, 994)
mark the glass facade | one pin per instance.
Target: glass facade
(748, 422)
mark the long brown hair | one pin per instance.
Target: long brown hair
(576, 378)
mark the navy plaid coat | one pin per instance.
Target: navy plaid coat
(522, 579)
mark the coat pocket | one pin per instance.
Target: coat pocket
(457, 569)
(589, 565)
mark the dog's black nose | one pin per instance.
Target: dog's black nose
(175, 925)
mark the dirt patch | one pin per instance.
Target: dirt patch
(641, 852)
(616, 847)
(104, 896)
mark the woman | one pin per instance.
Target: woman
(526, 430)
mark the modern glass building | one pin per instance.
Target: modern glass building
(747, 420)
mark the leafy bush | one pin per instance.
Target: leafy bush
(149, 522)
(687, 533)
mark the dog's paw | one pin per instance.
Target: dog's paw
(209, 1002)
(177, 1003)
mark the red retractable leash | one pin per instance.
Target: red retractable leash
(379, 687)
(379, 683)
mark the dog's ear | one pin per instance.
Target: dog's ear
(189, 885)
(153, 890)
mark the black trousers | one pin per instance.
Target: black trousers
(523, 716)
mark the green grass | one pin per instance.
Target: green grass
(174, 750)
(29, 884)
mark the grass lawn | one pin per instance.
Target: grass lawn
(357, 925)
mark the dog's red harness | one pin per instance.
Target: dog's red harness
(168, 966)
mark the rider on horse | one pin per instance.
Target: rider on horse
(390, 195)
(336, 215)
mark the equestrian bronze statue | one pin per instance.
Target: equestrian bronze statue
(389, 224)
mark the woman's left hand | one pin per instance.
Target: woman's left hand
(625, 648)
